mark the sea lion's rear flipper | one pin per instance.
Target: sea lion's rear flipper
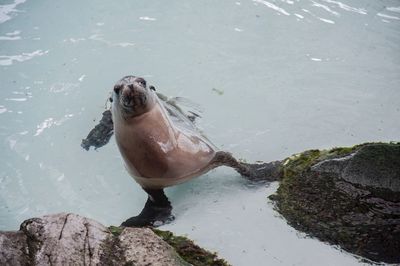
(100, 135)
(156, 211)
(257, 172)
(264, 172)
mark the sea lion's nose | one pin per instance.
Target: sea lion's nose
(134, 88)
(131, 87)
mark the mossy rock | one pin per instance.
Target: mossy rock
(115, 230)
(346, 196)
(189, 251)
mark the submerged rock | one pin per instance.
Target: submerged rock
(70, 239)
(346, 196)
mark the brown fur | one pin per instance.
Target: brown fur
(156, 153)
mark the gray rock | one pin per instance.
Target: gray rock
(70, 239)
(138, 241)
(346, 196)
(64, 239)
(14, 249)
(375, 165)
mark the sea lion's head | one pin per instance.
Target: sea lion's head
(132, 96)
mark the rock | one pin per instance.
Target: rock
(13, 248)
(375, 165)
(189, 251)
(64, 239)
(70, 239)
(346, 196)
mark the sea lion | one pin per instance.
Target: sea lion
(161, 147)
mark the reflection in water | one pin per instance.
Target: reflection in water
(387, 16)
(326, 8)
(295, 75)
(291, 5)
(347, 7)
(315, 16)
(272, 6)
(147, 18)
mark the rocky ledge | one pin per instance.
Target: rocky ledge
(70, 239)
(346, 196)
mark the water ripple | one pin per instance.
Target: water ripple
(6, 10)
(273, 6)
(17, 99)
(394, 9)
(347, 7)
(387, 16)
(6, 60)
(3, 109)
(64, 87)
(326, 8)
(9, 38)
(315, 16)
(49, 122)
(99, 37)
(147, 18)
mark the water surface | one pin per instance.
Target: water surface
(273, 77)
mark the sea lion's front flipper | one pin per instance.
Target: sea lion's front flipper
(258, 172)
(100, 135)
(190, 109)
(156, 211)
(183, 106)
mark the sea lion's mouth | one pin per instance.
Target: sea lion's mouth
(133, 102)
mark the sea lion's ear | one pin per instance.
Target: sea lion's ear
(152, 88)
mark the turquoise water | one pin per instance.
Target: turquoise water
(273, 78)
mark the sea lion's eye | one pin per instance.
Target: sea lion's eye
(141, 81)
(152, 88)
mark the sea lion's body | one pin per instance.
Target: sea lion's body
(157, 152)
(161, 147)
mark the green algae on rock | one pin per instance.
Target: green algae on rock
(189, 251)
(346, 196)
